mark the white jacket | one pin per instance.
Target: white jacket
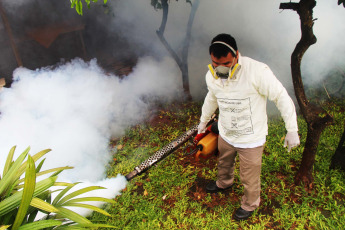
(242, 102)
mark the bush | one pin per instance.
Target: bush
(22, 198)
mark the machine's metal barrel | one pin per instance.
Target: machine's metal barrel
(162, 153)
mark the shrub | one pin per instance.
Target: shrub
(22, 197)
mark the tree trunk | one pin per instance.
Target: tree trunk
(183, 61)
(316, 117)
(185, 74)
(338, 159)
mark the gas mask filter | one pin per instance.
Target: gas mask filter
(223, 72)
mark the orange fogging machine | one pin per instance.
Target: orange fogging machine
(203, 145)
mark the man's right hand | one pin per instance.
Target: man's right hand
(202, 127)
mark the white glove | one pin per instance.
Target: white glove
(291, 140)
(202, 127)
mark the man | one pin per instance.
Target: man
(239, 86)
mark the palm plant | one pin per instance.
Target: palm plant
(22, 197)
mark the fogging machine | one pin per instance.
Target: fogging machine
(203, 145)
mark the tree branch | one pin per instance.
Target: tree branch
(165, 7)
(289, 6)
(168, 47)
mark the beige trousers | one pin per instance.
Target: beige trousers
(250, 170)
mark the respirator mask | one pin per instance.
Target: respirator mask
(224, 72)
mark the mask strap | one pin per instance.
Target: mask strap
(210, 67)
(234, 70)
(223, 43)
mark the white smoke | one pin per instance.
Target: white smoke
(262, 30)
(76, 108)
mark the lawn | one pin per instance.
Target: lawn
(171, 194)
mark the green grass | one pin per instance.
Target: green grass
(171, 194)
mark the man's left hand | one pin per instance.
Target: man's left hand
(291, 140)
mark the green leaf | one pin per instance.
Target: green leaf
(12, 202)
(42, 205)
(73, 3)
(59, 170)
(12, 172)
(341, 2)
(66, 213)
(40, 224)
(77, 193)
(86, 226)
(62, 184)
(9, 160)
(88, 206)
(62, 193)
(87, 199)
(4, 227)
(35, 157)
(29, 188)
(39, 166)
(9, 217)
(43, 185)
(72, 227)
(32, 216)
(79, 7)
(88, 3)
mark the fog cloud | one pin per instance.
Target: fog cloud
(76, 108)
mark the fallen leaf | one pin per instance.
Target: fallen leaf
(146, 193)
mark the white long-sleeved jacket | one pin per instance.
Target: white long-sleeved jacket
(242, 102)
